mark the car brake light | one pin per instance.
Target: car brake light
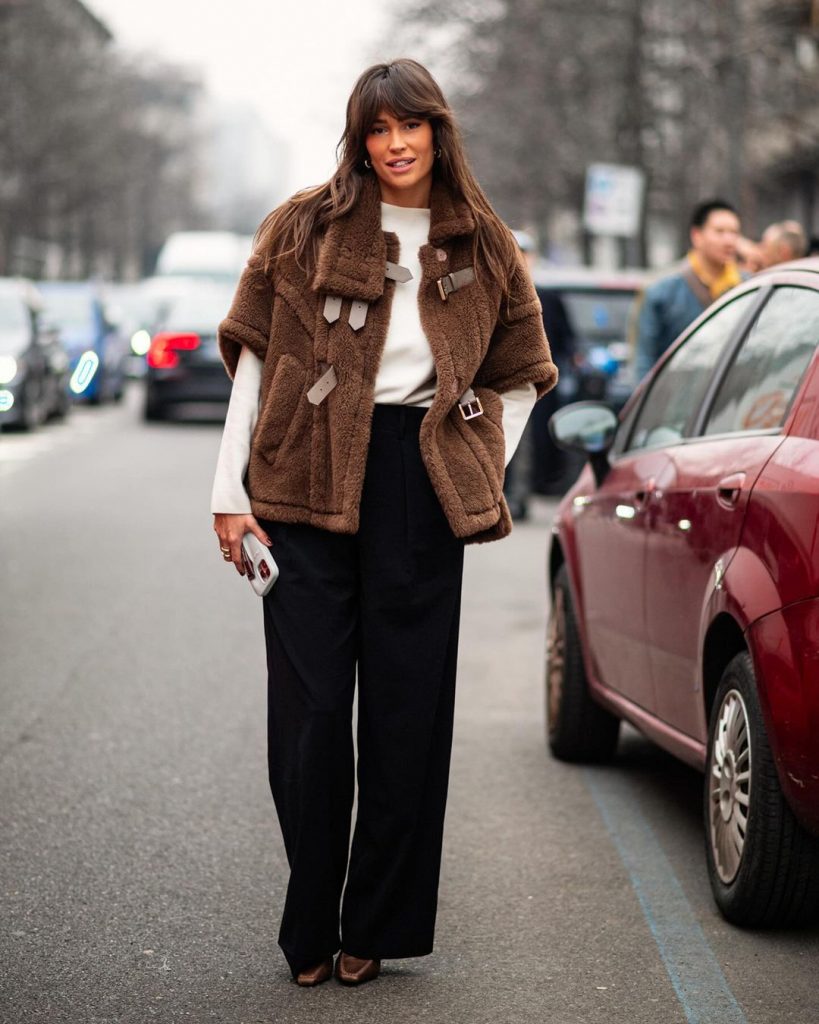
(165, 347)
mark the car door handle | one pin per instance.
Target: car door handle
(729, 489)
(641, 497)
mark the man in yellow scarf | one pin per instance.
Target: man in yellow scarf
(709, 270)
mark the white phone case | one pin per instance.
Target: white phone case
(260, 568)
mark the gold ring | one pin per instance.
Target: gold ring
(225, 551)
(227, 557)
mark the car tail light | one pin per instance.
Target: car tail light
(166, 346)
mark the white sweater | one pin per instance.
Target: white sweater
(406, 373)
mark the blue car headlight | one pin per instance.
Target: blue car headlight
(84, 372)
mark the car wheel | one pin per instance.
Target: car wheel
(62, 403)
(32, 413)
(764, 867)
(153, 410)
(118, 385)
(578, 728)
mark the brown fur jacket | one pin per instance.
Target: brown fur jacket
(307, 461)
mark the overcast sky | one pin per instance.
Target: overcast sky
(295, 61)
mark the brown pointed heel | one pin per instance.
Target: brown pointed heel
(315, 975)
(352, 970)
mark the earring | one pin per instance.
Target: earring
(368, 165)
(438, 152)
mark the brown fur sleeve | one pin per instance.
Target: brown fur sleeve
(519, 350)
(248, 320)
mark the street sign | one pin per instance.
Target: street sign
(614, 200)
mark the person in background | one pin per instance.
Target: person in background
(709, 270)
(783, 242)
(749, 255)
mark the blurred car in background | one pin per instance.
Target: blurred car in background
(96, 347)
(139, 308)
(601, 307)
(34, 369)
(684, 572)
(183, 361)
(589, 316)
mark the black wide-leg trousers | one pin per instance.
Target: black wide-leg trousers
(382, 604)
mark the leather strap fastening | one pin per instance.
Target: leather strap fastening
(470, 405)
(395, 272)
(332, 308)
(323, 386)
(452, 282)
(358, 314)
(358, 309)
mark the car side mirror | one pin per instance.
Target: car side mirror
(587, 427)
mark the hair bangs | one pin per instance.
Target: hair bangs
(394, 93)
(396, 90)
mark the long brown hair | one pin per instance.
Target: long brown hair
(404, 88)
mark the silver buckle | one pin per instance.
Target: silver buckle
(469, 410)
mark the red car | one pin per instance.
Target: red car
(684, 573)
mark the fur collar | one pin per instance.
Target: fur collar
(354, 248)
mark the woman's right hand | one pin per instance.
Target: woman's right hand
(230, 530)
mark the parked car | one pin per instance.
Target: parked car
(600, 306)
(33, 366)
(96, 347)
(684, 573)
(183, 362)
(140, 308)
(588, 315)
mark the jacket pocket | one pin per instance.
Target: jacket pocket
(485, 437)
(489, 427)
(474, 454)
(278, 412)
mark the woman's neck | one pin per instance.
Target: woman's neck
(416, 197)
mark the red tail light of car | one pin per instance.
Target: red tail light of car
(166, 346)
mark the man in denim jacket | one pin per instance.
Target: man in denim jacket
(676, 300)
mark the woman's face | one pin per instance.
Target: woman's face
(401, 151)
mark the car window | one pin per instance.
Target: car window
(598, 317)
(680, 386)
(765, 373)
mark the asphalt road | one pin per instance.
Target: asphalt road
(141, 869)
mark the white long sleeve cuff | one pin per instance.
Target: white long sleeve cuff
(517, 407)
(229, 494)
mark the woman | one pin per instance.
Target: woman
(386, 347)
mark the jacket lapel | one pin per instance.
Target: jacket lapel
(449, 215)
(353, 253)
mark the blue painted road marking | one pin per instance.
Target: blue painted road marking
(692, 967)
